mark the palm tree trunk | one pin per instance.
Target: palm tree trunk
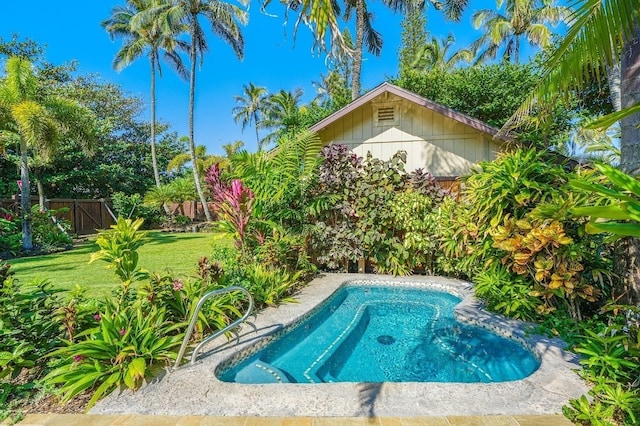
(629, 267)
(154, 161)
(154, 158)
(25, 199)
(613, 78)
(357, 55)
(255, 123)
(41, 197)
(192, 144)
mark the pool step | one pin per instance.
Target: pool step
(262, 372)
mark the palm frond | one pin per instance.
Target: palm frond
(597, 33)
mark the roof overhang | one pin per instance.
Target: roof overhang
(411, 97)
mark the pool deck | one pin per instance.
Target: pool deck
(194, 390)
(138, 420)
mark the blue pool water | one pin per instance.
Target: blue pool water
(385, 334)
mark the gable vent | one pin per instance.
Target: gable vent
(386, 114)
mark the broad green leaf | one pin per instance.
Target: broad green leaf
(604, 212)
(615, 228)
(623, 180)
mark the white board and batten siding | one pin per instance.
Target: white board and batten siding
(443, 146)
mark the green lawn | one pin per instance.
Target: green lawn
(178, 252)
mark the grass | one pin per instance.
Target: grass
(178, 253)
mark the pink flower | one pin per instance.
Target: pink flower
(123, 332)
(177, 285)
(97, 317)
(78, 358)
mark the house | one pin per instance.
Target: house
(387, 119)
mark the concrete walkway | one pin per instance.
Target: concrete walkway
(139, 420)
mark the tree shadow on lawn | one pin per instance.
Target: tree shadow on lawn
(166, 238)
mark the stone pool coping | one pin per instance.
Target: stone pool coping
(195, 390)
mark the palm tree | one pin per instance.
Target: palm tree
(38, 122)
(365, 32)
(203, 160)
(250, 108)
(224, 19)
(436, 54)
(521, 18)
(150, 37)
(281, 112)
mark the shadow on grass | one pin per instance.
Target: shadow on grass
(166, 237)
(24, 267)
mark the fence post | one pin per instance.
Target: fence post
(102, 207)
(76, 216)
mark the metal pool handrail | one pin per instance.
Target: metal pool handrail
(194, 319)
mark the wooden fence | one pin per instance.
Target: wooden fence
(451, 184)
(85, 216)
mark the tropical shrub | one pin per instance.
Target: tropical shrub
(28, 327)
(271, 286)
(411, 213)
(611, 362)
(132, 206)
(179, 296)
(127, 345)
(517, 211)
(506, 294)
(10, 234)
(233, 205)
(119, 248)
(49, 232)
(282, 178)
(356, 208)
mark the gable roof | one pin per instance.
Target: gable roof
(411, 97)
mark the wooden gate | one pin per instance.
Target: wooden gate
(85, 216)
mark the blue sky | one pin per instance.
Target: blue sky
(71, 30)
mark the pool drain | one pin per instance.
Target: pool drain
(385, 339)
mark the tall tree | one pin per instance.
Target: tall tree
(250, 107)
(38, 122)
(204, 160)
(521, 18)
(333, 89)
(602, 34)
(282, 112)
(413, 38)
(151, 37)
(225, 20)
(365, 32)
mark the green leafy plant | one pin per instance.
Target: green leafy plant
(611, 360)
(607, 354)
(50, 231)
(506, 293)
(582, 411)
(118, 247)
(126, 346)
(132, 206)
(622, 209)
(10, 234)
(411, 212)
(28, 328)
(271, 286)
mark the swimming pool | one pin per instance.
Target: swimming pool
(378, 333)
(197, 390)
